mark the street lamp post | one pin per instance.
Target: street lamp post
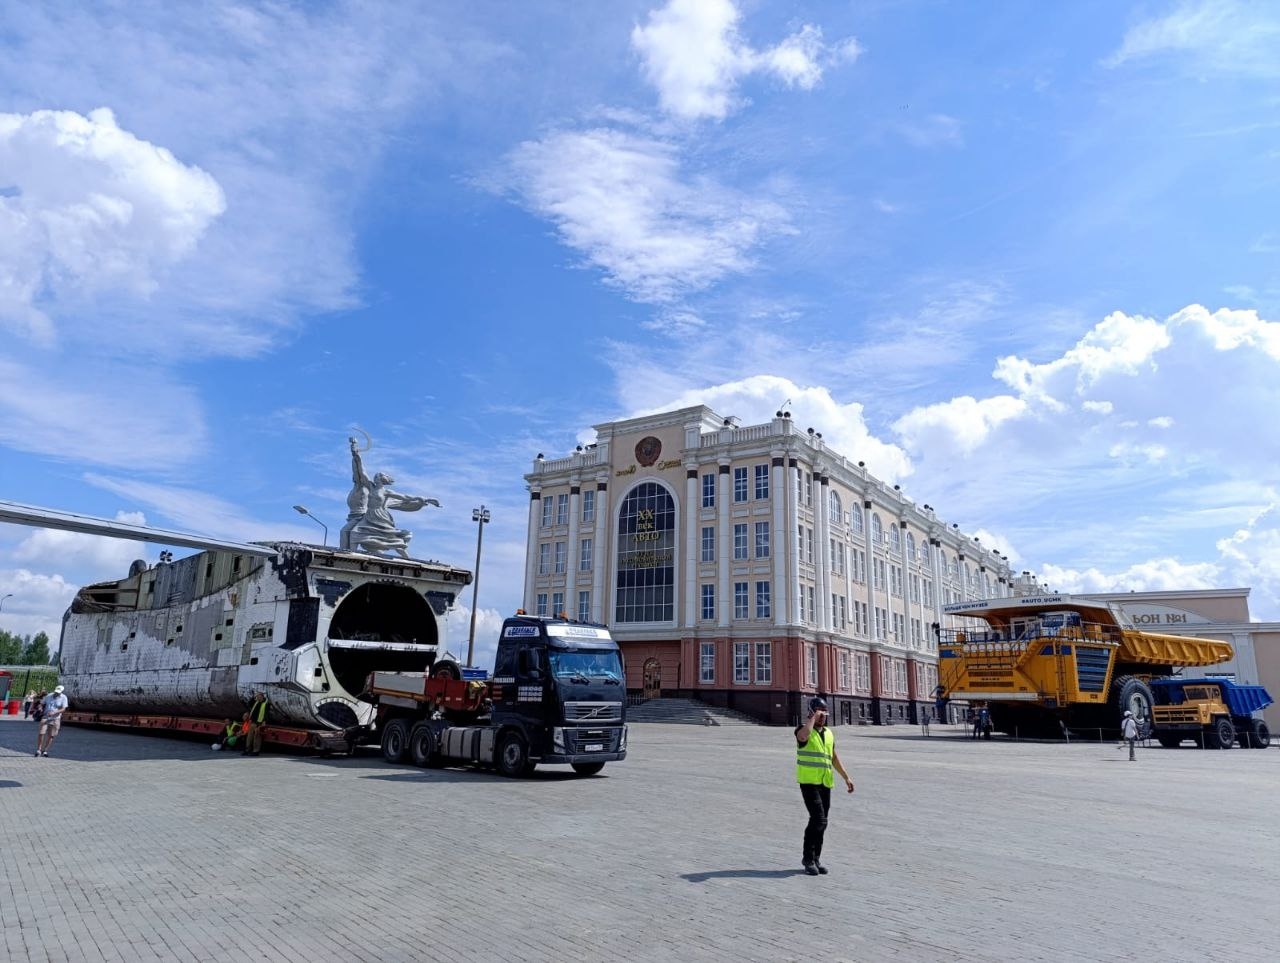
(2, 598)
(302, 510)
(480, 516)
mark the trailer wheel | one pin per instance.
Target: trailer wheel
(587, 768)
(1220, 735)
(1131, 693)
(1170, 740)
(1259, 735)
(395, 738)
(423, 747)
(512, 758)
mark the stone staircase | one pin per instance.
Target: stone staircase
(688, 712)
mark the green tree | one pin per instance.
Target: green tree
(10, 648)
(36, 651)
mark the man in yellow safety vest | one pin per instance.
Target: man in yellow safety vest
(815, 759)
(257, 718)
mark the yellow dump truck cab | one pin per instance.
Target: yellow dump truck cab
(1047, 662)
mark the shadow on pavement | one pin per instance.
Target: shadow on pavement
(10, 784)
(741, 874)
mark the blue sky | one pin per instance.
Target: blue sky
(1021, 258)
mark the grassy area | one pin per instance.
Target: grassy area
(33, 677)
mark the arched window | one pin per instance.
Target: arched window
(911, 546)
(646, 556)
(877, 529)
(855, 518)
(895, 537)
(836, 513)
(924, 551)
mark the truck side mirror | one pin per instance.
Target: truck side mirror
(527, 662)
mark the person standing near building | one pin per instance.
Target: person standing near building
(27, 701)
(50, 720)
(257, 717)
(815, 759)
(1129, 729)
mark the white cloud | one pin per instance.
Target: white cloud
(693, 55)
(960, 425)
(843, 426)
(934, 130)
(1098, 407)
(48, 548)
(1156, 575)
(1163, 421)
(623, 202)
(88, 208)
(1227, 36)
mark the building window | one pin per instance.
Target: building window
(811, 593)
(882, 623)
(708, 543)
(762, 539)
(557, 603)
(811, 665)
(589, 506)
(895, 538)
(544, 559)
(877, 568)
(707, 663)
(844, 672)
(742, 662)
(740, 541)
(855, 518)
(862, 666)
(584, 555)
(541, 608)
(740, 603)
(899, 629)
(924, 553)
(740, 484)
(762, 481)
(837, 556)
(808, 545)
(913, 587)
(562, 509)
(709, 491)
(895, 580)
(834, 508)
(560, 558)
(646, 555)
(926, 591)
(547, 507)
(911, 546)
(764, 663)
(584, 606)
(900, 678)
(764, 605)
(858, 569)
(804, 614)
(877, 530)
(708, 602)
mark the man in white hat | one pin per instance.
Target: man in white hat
(1129, 730)
(55, 704)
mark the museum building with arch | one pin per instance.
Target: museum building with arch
(751, 567)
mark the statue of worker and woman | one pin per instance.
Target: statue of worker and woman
(369, 526)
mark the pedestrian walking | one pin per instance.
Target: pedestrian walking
(27, 701)
(50, 720)
(815, 759)
(1129, 729)
(926, 716)
(257, 717)
(37, 706)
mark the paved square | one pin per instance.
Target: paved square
(129, 847)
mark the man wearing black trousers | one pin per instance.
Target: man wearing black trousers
(815, 759)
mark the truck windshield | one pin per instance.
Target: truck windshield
(589, 664)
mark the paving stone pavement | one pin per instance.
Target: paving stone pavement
(130, 847)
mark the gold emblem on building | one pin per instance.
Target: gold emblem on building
(647, 450)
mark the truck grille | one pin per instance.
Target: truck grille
(1091, 667)
(577, 740)
(593, 712)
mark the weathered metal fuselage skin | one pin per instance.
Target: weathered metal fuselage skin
(198, 636)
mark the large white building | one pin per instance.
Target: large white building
(750, 566)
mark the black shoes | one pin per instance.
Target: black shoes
(811, 869)
(822, 870)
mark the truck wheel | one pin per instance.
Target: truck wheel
(395, 738)
(1131, 693)
(1169, 740)
(512, 758)
(1220, 735)
(587, 768)
(1259, 735)
(422, 744)
(446, 668)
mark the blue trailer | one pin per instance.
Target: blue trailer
(1214, 712)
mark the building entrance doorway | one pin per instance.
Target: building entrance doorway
(652, 679)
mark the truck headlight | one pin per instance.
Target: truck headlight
(557, 739)
(622, 742)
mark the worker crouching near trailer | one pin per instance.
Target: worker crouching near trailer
(815, 759)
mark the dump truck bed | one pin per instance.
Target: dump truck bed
(1241, 700)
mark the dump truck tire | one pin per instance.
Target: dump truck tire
(1259, 735)
(1169, 741)
(395, 740)
(1220, 735)
(587, 768)
(1130, 692)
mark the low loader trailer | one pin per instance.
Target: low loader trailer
(556, 696)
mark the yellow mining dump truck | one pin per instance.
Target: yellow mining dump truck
(1049, 662)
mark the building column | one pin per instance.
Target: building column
(724, 494)
(793, 537)
(782, 553)
(531, 553)
(693, 542)
(604, 554)
(571, 552)
(821, 571)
